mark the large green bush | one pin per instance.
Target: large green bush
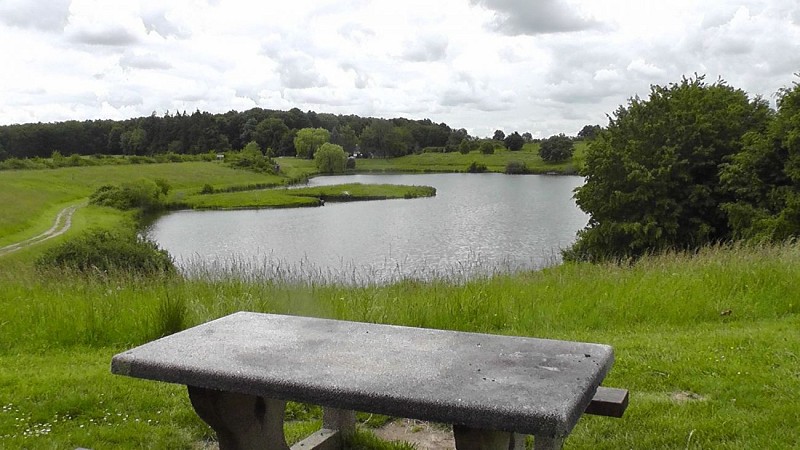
(145, 195)
(653, 175)
(515, 167)
(330, 158)
(105, 250)
(476, 167)
(556, 148)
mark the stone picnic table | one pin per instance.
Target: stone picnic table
(241, 369)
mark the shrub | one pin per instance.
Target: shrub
(330, 158)
(136, 159)
(144, 194)
(477, 167)
(516, 168)
(207, 189)
(21, 164)
(487, 148)
(106, 251)
(556, 148)
(251, 158)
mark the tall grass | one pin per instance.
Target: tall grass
(707, 342)
(716, 285)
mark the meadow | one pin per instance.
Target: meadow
(707, 342)
(457, 162)
(32, 198)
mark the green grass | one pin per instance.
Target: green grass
(708, 344)
(457, 162)
(32, 198)
(308, 196)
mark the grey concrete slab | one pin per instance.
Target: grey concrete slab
(524, 385)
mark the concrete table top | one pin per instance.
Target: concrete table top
(506, 383)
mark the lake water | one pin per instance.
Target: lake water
(476, 224)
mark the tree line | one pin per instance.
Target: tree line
(202, 132)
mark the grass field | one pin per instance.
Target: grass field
(708, 344)
(306, 196)
(457, 162)
(32, 198)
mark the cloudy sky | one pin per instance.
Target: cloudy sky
(542, 66)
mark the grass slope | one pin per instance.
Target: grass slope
(708, 344)
(32, 198)
(457, 162)
(308, 196)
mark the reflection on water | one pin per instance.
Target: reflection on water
(476, 224)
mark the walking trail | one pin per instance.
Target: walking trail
(60, 226)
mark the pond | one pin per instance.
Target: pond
(476, 224)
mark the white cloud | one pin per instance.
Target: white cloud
(643, 68)
(298, 71)
(45, 15)
(140, 60)
(544, 66)
(426, 49)
(535, 17)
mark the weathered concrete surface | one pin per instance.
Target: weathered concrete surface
(523, 385)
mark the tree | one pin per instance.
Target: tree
(527, 136)
(487, 148)
(270, 134)
(556, 148)
(382, 138)
(653, 175)
(589, 132)
(132, 142)
(514, 141)
(345, 136)
(252, 150)
(764, 178)
(498, 135)
(330, 158)
(308, 140)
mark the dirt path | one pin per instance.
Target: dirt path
(424, 435)
(60, 226)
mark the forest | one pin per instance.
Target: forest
(202, 132)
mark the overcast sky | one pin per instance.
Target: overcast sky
(542, 66)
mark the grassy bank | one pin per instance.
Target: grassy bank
(708, 344)
(457, 162)
(32, 198)
(308, 196)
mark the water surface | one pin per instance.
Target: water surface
(476, 224)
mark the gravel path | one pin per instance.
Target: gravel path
(60, 226)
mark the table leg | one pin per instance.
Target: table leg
(475, 439)
(547, 443)
(341, 420)
(241, 421)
